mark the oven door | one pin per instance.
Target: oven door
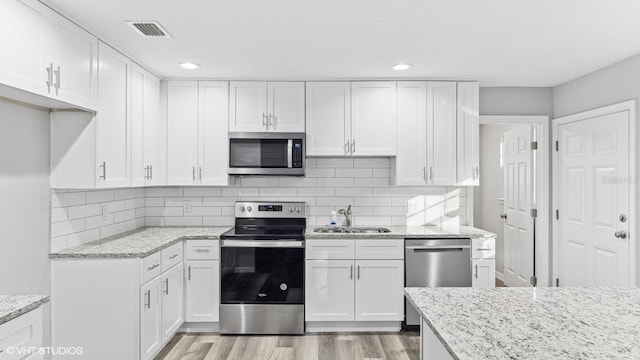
(266, 154)
(262, 272)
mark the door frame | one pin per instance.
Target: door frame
(542, 202)
(629, 106)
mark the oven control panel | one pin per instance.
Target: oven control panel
(257, 209)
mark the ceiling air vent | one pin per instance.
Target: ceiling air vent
(149, 29)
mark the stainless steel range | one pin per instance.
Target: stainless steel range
(262, 269)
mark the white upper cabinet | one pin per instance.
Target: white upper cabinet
(45, 54)
(373, 118)
(411, 157)
(145, 128)
(468, 133)
(441, 133)
(197, 137)
(256, 106)
(328, 118)
(113, 119)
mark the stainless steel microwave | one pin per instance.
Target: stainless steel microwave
(266, 153)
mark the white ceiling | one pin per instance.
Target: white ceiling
(500, 42)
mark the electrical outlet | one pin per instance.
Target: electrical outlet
(105, 212)
(187, 206)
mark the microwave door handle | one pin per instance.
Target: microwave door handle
(290, 153)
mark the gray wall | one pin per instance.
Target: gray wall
(610, 85)
(516, 101)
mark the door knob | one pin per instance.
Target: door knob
(503, 216)
(620, 234)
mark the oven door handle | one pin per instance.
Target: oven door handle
(263, 243)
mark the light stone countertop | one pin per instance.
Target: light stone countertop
(533, 323)
(12, 306)
(406, 232)
(140, 243)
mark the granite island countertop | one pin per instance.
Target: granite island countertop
(406, 232)
(12, 306)
(533, 323)
(140, 243)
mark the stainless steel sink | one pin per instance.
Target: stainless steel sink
(351, 230)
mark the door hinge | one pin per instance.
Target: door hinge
(534, 145)
(557, 214)
(534, 213)
(557, 282)
(534, 281)
(557, 146)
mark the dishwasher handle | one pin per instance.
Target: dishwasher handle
(438, 248)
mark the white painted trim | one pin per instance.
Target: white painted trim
(195, 327)
(500, 276)
(629, 106)
(543, 201)
(351, 326)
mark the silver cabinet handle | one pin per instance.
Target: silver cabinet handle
(484, 249)
(351, 272)
(200, 173)
(476, 271)
(150, 172)
(424, 173)
(166, 289)
(149, 268)
(358, 272)
(201, 250)
(104, 171)
(353, 146)
(271, 121)
(346, 148)
(476, 173)
(194, 173)
(189, 273)
(57, 84)
(265, 121)
(174, 256)
(430, 173)
(49, 77)
(146, 173)
(147, 302)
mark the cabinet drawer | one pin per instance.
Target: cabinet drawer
(379, 249)
(171, 256)
(483, 248)
(330, 249)
(24, 331)
(151, 267)
(202, 249)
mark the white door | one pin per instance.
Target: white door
(74, 54)
(285, 105)
(593, 195)
(213, 137)
(441, 131)
(24, 35)
(202, 291)
(468, 133)
(153, 144)
(328, 118)
(329, 290)
(248, 106)
(518, 201)
(411, 158)
(139, 171)
(373, 118)
(172, 301)
(150, 318)
(483, 273)
(379, 290)
(182, 132)
(113, 142)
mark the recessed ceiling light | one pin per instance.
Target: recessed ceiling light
(400, 67)
(189, 65)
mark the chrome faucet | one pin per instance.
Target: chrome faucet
(347, 215)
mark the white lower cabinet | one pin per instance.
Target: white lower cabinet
(202, 295)
(483, 262)
(361, 288)
(25, 332)
(172, 301)
(150, 318)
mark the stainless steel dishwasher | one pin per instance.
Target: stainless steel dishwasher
(435, 263)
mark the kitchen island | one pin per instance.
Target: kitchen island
(528, 323)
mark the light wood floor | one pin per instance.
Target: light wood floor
(347, 346)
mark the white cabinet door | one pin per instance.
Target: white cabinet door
(113, 142)
(248, 106)
(411, 157)
(145, 127)
(172, 301)
(74, 54)
(182, 132)
(373, 118)
(25, 36)
(153, 144)
(150, 318)
(213, 135)
(441, 133)
(285, 105)
(379, 290)
(139, 172)
(468, 133)
(329, 290)
(202, 291)
(328, 118)
(483, 273)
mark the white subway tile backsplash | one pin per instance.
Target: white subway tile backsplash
(380, 173)
(366, 173)
(68, 199)
(154, 201)
(202, 191)
(317, 191)
(195, 201)
(217, 221)
(165, 191)
(165, 211)
(239, 191)
(337, 202)
(373, 162)
(183, 221)
(124, 216)
(261, 181)
(354, 192)
(67, 227)
(372, 182)
(335, 182)
(278, 191)
(124, 194)
(99, 196)
(334, 163)
(83, 237)
(94, 222)
(83, 211)
(111, 230)
(373, 201)
(59, 214)
(297, 182)
(321, 173)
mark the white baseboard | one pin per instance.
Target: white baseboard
(205, 327)
(351, 326)
(500, 276)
